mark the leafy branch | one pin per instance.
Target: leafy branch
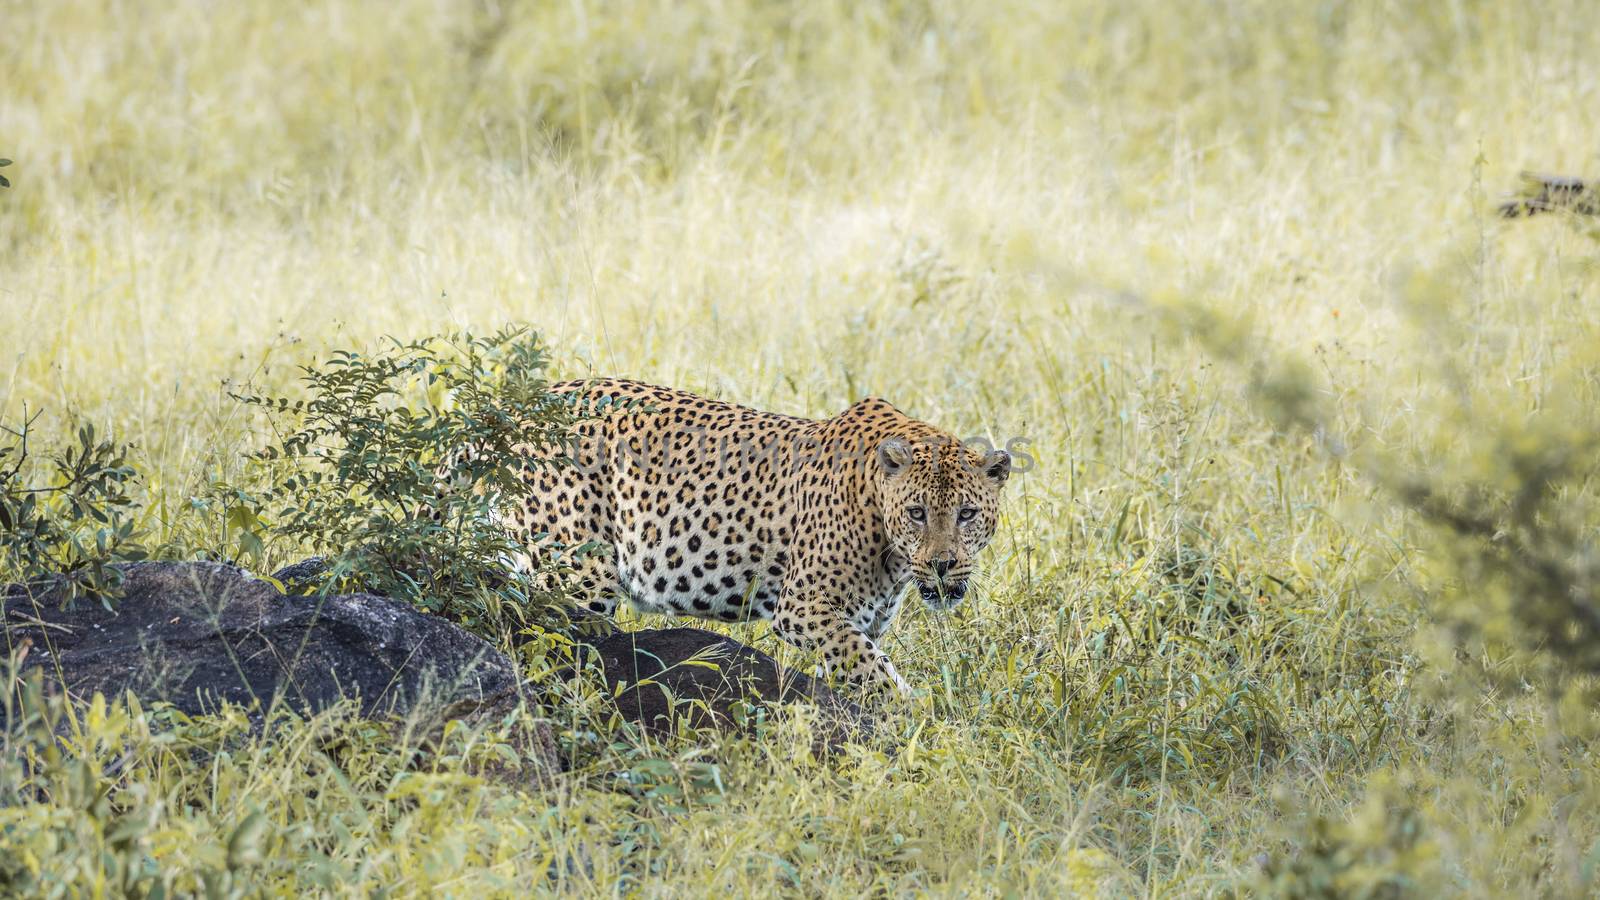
(78, 522)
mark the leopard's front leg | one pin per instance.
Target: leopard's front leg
(846, 650)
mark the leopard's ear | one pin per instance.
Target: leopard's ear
(894, 455)
(997, 466)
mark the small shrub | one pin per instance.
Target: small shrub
(75, 524)
(354, 472)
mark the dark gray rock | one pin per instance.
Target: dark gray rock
(196, 634)
(661, 682)
(300, 577)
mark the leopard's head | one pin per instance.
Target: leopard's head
(940, 502)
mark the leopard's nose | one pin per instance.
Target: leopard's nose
(942, 565)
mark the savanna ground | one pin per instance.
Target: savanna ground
(1261, 618)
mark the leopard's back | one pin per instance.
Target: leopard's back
(693, 495)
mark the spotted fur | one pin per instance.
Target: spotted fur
(724, 512)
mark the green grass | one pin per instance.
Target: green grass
(1210, 651)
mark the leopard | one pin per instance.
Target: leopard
(707, 509)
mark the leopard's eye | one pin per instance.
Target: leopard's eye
(967, 514)
(916, 513)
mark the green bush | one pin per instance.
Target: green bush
(77, 522)
(355, 471)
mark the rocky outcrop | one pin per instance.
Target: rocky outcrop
(199, 634)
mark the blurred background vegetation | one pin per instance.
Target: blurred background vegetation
(1300, 598)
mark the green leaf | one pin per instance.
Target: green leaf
(250, 544)
(245, 845)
